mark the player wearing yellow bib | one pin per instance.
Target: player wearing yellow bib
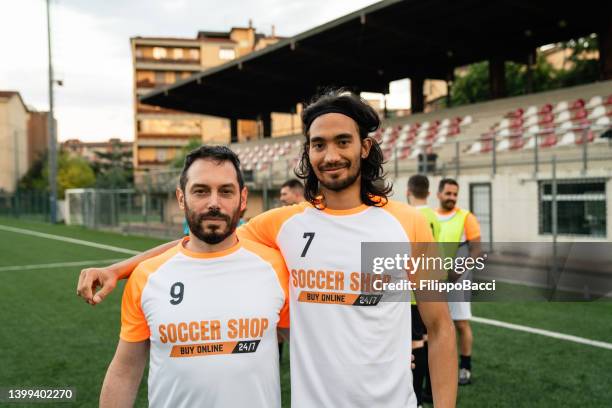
(460, 227)
(417, 194)
(343, 353)
(206, 310)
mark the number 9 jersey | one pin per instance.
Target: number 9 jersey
(211, 319)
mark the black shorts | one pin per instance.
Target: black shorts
(418, 327)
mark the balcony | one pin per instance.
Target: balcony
(183, 61)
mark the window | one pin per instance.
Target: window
(159, 53)
(160, 155)
(581, 207)
(160, 77)
(194, 54)
(138, 52)
(227, 53)
(178, 53)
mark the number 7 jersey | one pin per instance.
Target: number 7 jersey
(342, 354)
(211, 319)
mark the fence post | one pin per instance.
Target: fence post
(536, 167)
(494, 155)
(585, 140)
(395, 162)
(129, 210)
(554, 220)
(264, 193)
(457, 159)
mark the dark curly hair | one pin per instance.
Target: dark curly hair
(374, 188)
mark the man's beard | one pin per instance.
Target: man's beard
(448, 204)
(340, 184)
(214, 235)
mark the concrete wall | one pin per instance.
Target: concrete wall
(13, 142)
(515, 203)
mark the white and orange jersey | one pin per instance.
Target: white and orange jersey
(211, 319)
(342, 354)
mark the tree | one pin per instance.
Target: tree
(114, 169)
(473, 86)
(179, 160)
(72, 172)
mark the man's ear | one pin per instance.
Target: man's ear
(180, 197)
(244, 195)
(366, 146)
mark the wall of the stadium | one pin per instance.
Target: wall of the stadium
(515, 203)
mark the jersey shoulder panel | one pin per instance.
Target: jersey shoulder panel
(265, 227)
(134, 327)
(275, 259)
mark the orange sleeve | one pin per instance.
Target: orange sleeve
(275, 259)
(264, 228)
(472, 227)
(134, 326)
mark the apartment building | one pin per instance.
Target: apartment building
(13, 139)
(160, 134)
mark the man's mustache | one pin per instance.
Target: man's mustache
(334, 165)
(213, 214)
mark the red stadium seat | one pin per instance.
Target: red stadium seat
(517, 143)
(546, 118)
(581, 137)
(577, 104)
(486, 146)
(580, 113)
(545, 109)
(548, 140)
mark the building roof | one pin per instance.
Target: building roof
(10, 94)
(371, 47)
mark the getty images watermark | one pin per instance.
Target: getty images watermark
(433, 270)
(502, 271)
(401, 272)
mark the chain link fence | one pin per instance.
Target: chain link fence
(27, 204)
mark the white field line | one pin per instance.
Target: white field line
(70, 240)
(541, 332)
(56, 265)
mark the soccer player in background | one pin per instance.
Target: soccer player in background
(292, 192)
(205, 310)
(342, 355)
(417, 194)
(459, 226)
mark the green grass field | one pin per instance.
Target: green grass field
(50, 337)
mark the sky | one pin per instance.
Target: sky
(91, 49)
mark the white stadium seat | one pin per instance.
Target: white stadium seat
(503, 145)
(594, 102)
(563, 116)
(567, 139)
(532, 110)
(597, 112)
(561, 106)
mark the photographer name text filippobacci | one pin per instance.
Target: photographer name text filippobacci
(434, 285)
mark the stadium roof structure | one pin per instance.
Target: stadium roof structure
(386, 41)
